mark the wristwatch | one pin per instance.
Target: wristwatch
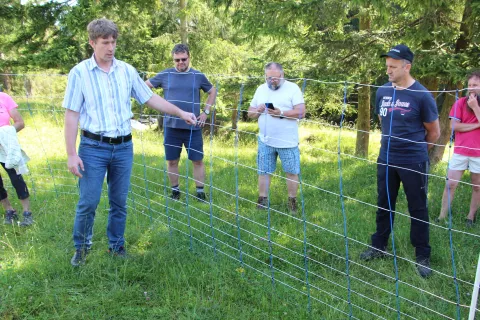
(207, 112)
(281, 114)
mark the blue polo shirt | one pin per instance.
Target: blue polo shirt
(183, 90)
(411, 108)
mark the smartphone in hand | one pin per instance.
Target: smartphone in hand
(269, 105)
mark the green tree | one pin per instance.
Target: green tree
(462, 56)
(342, 40)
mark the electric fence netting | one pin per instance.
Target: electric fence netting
(311, 256)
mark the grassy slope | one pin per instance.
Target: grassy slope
(163, 278)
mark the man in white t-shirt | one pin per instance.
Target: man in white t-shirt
(278, 104)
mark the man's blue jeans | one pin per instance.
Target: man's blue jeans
(116, 161)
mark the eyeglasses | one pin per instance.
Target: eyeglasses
(269, 79)
(181, 59)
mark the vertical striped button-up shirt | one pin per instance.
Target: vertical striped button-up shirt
(103, 98)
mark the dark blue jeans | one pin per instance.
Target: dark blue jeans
(415, 184)
(100, 158)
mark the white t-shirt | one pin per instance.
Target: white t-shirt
(276, 132)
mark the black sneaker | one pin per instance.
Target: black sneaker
(27, 219)
(175, 195)
(423, 267)
(201, 196)
(79, 257)
(10, 217)
(372, 253)
(119, 252)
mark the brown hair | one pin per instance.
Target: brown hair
(102, 28)
(474, 74)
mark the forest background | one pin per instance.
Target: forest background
(337, 43)
(326, 40)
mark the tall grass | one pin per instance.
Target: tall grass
(184, 257)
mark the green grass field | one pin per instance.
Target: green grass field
(184, 258)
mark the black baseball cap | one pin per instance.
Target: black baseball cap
(399, 52)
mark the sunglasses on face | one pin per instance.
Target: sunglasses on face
(181, 59)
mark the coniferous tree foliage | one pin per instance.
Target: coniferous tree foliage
(330, 40)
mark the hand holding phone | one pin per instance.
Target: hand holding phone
(269, 105)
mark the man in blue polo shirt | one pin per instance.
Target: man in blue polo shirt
(181, 85)
(409, 120)
(97, 97)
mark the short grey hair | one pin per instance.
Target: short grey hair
(102, 28)
(405, 62)
(273, 65)
(181, 48)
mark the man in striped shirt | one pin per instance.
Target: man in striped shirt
(98, 98)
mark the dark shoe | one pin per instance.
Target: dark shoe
(262, 203)
(27, 219)
(469, 222)
(372, 253)
(10, 217)
(201, 196)
(292, 204)
(175, 195)
(79, 257)
(119, 252)
(423, 267)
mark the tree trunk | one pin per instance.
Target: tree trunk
(235, 96)
(363, 116)
(27, 84)
(464, 39)
(183, 21)
(436, 153)
(211, 124)
(363, 122)
(431, 83)
(214, 121)
(6, 81)
(234, 119)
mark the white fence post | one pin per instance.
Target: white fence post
(473, 303)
